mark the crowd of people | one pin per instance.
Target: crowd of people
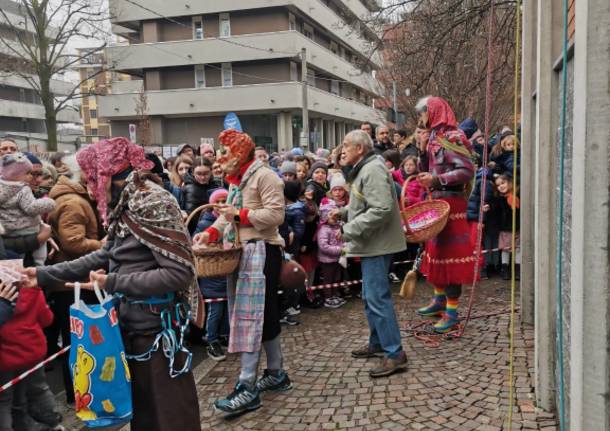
(335, 212)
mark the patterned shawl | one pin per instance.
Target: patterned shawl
(151, 214)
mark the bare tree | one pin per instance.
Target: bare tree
(440, 47)
(42, 49)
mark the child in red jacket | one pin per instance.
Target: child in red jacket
(23, 345)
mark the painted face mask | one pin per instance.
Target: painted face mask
(235, 150)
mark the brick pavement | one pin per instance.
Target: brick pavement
(460, 385)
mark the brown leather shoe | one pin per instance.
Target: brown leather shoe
(390, 366)
(367, 351)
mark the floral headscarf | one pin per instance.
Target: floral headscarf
(99, 162)
(239, 146)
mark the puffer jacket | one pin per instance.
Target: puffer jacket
(474, 202)
(19, 209)
(329, 247)
(213, 287)
(74, 221)
(294, 222)
(195, 194)
(22, 340)
(505, 163)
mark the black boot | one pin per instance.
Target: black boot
(505, 272)
(517, 272)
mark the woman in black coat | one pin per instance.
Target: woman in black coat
(197, 185)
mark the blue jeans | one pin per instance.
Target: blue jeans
(378, 305)
(217, 314)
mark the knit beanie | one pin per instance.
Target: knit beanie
(337, 180)
(218, 194)
(33, 159)
(292, 190)
(297, 151)
(322, 153)
(288, 168)
(318, 165)
(13, 166)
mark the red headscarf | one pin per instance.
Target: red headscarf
(99, 162)
(440, 113)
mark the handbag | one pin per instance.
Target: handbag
(100, 374)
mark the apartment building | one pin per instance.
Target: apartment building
(95, 80)
(197, 61)
(21, 112)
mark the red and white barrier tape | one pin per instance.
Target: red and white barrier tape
(22, 376)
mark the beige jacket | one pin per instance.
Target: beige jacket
(263, 196)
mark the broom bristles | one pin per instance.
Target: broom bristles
(407, 288)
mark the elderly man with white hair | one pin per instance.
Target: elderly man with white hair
(373, 232)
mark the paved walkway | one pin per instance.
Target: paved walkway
(461, 385)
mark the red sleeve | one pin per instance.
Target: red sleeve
(243, 217)
(214, 234)
(45, 315)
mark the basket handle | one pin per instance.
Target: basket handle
(201, 208)
(404, 203)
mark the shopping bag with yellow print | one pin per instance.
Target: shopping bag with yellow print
(102, 383)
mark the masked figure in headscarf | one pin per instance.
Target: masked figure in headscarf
(255, 207)
(447, 170)
(149, 265)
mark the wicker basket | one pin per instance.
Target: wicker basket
(424, 220)
(215, 261)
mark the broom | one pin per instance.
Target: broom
(407, 288)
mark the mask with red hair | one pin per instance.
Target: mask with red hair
(236, 149)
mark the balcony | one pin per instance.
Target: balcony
(31, 110)
(126, 12)
(215, 50)
(283, 96)
(58, 86)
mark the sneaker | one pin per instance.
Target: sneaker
(215, 352)
(269, 382)
(340, 301)
(240, 400)
(389, 366)
(289, 320)
(393, 278)
(435, 308)
(331, 303)
(292, 311)
(446, 324)
(367, 352)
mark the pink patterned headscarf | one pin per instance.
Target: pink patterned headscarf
(99, 162)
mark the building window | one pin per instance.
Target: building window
(334, 48)
(199, 76)
(311, 78)
(334, 87)
(93, 113)
(294, 72)
(227, 75)
(225, 25)
(197, 28)
(94, 132)
(292, 22)
(308, 31)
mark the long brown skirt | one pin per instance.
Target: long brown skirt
(160, 403)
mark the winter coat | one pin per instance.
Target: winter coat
(409, 150)
(320, 191)
(504, 214)
(474, 202)
(505, 163)
(74, 221)
(415, 192)
(399, 176)
(373, 225)
(263, 200)
(214, 287)
(134, 270)
(22, 340)
(294, 222)
(329, 247)
(379, 148)
(194, 194)
(19, 209)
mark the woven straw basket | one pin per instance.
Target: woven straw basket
(423, 220)
(214, 261)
